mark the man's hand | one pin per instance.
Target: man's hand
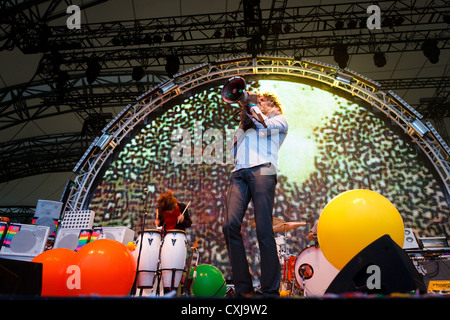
(252, 98)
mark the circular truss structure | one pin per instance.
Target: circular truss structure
(396, 109)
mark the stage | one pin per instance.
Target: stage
(174, 150)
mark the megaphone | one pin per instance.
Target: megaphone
(234, 91)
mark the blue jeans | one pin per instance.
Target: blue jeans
(256, 185)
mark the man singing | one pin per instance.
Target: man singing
(261, 132)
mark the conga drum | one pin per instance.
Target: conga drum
(148, 262)
(173, 258)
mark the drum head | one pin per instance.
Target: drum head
(314, 271)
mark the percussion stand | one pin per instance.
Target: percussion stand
(302, 273)
(286, 262)
(158, 277)
(134, 287)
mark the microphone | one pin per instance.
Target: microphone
(145, 201)
(256, 114)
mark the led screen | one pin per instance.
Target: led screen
(333, 145)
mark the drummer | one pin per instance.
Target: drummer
(171, 213)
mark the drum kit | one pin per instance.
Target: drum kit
(309, 273)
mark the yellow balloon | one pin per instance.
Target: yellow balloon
(131, 246)
(353, 220)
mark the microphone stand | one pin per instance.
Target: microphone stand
(134, 288)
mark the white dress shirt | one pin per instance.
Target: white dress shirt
(259, 146)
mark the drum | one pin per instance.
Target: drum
(314, 269)
(173, 258)
(281, 248)
(148, 262)
(289, 268)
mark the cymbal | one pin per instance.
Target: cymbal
(288, 226)
(275, 222)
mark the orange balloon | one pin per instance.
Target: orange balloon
(54, 266)
(106, 268)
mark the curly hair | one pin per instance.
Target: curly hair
(275, 101)
(246, 123)
(166, 202)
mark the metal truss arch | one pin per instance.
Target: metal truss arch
(406, 117)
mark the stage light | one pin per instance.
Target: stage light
(352, 24)
(345, 78)
(122, 114)
(379, 59)
(167, 86)
(341, 55)
(237, 59)
(405, 105)
(104, 141)
(157, 39)
(191, 70)
(168, 37)
(172, 65)
(364, 79)
(419, 127)
(241, 32)
(92, 70)
(86, 155)
(138, 73)
(339, 25)
(438, 137)
(320, 65)
(431, 50)
(229, 34)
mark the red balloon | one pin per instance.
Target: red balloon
(54, 266)
(103, 267)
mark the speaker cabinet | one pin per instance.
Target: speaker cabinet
(48, 209)
(410, 240)
(121, 234)
(396, 271)
(72, 239)
(20, 277)
(47, 214)
(78, 219)
(23, 240)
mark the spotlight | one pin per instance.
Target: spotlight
(157, 39)
(138, 73)
(418, 127)
(92, 70)
(431, 50)
(172, 65)
(168, 37)
(339, 25)
(229, 34)
(379, 59)
(341, 55)
(352, 24)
